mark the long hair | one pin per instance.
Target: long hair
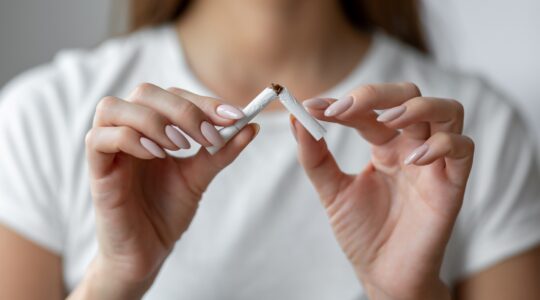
(399, 18)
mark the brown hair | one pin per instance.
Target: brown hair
(399, 18)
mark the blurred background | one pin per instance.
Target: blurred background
(32, 31)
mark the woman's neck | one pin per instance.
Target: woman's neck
(237, 47)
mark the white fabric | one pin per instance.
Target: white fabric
(260, 232)
(497, 39)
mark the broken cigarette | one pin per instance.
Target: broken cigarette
(260, 102)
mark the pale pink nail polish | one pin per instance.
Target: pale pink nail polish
(152, 147)
(416, 154)
(211, 134)
(174, 134)
(391, 114)
(229, 112)
(316, 103)
(339, 107)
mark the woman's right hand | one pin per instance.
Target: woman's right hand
(144, 199)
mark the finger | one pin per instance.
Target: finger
(440, 114)
(380, 96)
(220, 113)
(181, 112)
(207, 166)
(318, 163)
(364, 122)
(112, 111)
(356, 109)
(456, 150)
(102, 143)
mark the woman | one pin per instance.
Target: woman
(114, 224)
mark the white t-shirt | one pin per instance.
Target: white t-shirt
(497, 39)
(269, 237)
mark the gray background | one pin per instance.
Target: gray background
(497, 39)
(32, 31)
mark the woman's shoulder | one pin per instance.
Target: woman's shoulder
(45, 114)
(501, 209)
(482, 102)
(75, 75)
(52, 106)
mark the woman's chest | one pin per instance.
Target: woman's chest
(260, 232)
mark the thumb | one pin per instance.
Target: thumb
(200, 169)
(318, 162)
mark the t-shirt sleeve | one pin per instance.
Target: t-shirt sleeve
(30, 159)
(501, 213)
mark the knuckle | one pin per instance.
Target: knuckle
(105, 104)
(185, 95)
(207, 104)
(220, 164)
(175, 90)
(469, 143)
(186, 110)
(444, 138)
(90, 137)
(125, 136)
(153, 119)
(460, 110)
(412, 88)
(418, 102)
(418, 108)
(142, 90)
(369, 91)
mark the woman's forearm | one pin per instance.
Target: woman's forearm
(435, 291)
(100, 283)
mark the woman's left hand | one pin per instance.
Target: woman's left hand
(393, 219)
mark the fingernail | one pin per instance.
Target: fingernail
(293, 126)
(152, 147)
(257, 128)
(174, 134)
(211, 134)
(339, 106)
(316, 103)
(416, 154)
(229, 112)
(391, 114)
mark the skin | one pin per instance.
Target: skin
(389, 216)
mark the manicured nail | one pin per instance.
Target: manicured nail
(211, 134)
(152, 147)
(174, 134)
(391, 114)
(316, 103)
(416, 154)
(229, 112)
(339, 106)
(293, 126)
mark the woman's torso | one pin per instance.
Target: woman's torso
(260, 231)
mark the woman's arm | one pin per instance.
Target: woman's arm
(143, 198)
(515, 278)
(394, 218)
(28, 271)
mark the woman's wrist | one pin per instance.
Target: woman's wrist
(100, 283)
(430, 293)
(430, 290)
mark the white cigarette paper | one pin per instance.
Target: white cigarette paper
(250, 111)
(260, 102)
(299, 112)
